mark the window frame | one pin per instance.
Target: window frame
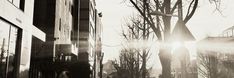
(20, 6)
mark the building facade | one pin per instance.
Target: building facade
(90, 36)
(215, 56)
(44, 38)
(59, 20)
(16, 34)
(87, 30)
(98, 55)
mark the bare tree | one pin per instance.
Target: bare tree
(208, 62)
(135, 52)
(161, 22)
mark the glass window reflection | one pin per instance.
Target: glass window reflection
(8, 38)
(4, 37)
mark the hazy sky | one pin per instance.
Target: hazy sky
(114, 12)
(205, 22)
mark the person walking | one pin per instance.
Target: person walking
(63, 74)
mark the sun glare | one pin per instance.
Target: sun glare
(175, 45)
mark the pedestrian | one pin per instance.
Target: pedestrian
(63, 74)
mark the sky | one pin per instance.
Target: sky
(205, 22)
(114, 13)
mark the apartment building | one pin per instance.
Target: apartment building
(16, 33)
(42, 38)
(87, 30)
(90, 35)
(59, 20)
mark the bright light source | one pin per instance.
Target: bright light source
(176, 45)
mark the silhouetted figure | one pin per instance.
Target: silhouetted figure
(63, 74)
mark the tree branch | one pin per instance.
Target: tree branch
(174, 7)
(187, 18)
(156, 30)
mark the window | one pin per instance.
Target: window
(60, 24)
(11, 1)
(72, 10)
(22, 2)
(8, 38)
(18, 3)
(70, 6)
(92, 32)
(92, 11)
(91, 50)
(65, 2)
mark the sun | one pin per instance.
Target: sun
(176, 45)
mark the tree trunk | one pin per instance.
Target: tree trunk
(164, 52)
(144, 64)
(165, 59)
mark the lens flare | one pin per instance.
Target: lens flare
(176, 45)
